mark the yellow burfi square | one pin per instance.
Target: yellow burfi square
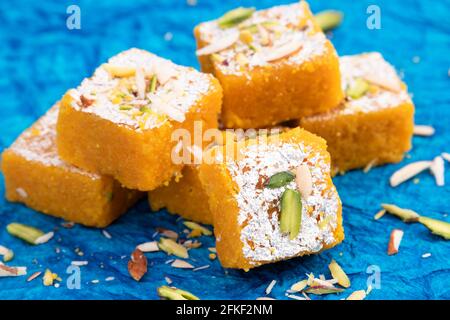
(184, 196)
(375, 124)
(36, 176)
(121, 121)
(247, 212)
(273, 65)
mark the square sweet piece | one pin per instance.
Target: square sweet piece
(184, 196)
(36, 176)
(121, 121)
(273, 65)
(273, 201)
(375, 124)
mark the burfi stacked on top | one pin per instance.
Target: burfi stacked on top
(273, 200)
(374, 125)
(120, 122)
(274, 65)
(36, 176)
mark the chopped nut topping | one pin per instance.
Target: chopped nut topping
(408, 171)
(137, 266)
(394, 241)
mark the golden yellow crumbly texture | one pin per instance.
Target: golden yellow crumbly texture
(364, 138)
(279, 91)
(64, 193)
(222, 191)
(138, 159)
(184, 196)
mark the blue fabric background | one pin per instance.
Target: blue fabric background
(40, 58)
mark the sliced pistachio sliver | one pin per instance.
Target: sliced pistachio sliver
(279, 179)
(329, 19)
(358, 88)
(322, 290)
(171, 247)
(339, 274)
(153, 84)
(234, 17)
(291, 213)
(406, 215)
(437, 227)
(175, 294)
(195, 226)
(24, 232)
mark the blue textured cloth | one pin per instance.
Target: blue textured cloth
(40, 58)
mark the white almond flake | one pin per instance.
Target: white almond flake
(168, 280)
(140, 82)
(426, 255)
(295, 297)
(106, 234)
(284, 50)
(270, 286)
(109, 279)
(201, 268)
(265, 298)
(446, 156)
(7, 254)
(408, 171)
(422, 130)
(95, 281)
(164, 72)
(181, 264)
(388, 83)
(161, 107)
(151, 246)
(303, 180)
(437, 169)
(219, 45)
(380, 214)
(79, 263)
(22, 193)
(44, 238)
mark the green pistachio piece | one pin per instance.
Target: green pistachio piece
(153, 84)
(175, 294)
(24, 232)
(406, 215)
(358, 88)
(437, 227)
(329, 19)
(323, 290)
(279, 179)
(234, 17)
(291, 213)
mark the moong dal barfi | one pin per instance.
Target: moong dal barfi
(375, 124)
(36, 176)
(273, 65)
(274, 201)
(120, 122)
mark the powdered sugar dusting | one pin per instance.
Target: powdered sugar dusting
(38, 143)
(276, 26)
(121, 99)
(259, 207)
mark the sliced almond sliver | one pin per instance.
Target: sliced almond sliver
(151, 246)
(181, 264)
(140, 83)
(6, 271)
(164, 71)
(44, 238)
(119, 71)
(388, 83)
(282, 51)
(422, 130)
(7, 254)
(408, 171)
(394, 241)
(437, 169)
(379, 214)
(304, 180)
(219, 45)
(299, 286)
(357, 295)
(339, 274)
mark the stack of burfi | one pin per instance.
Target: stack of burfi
(274, 65)
(374, 125)
(36, 176)
(116, 132)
